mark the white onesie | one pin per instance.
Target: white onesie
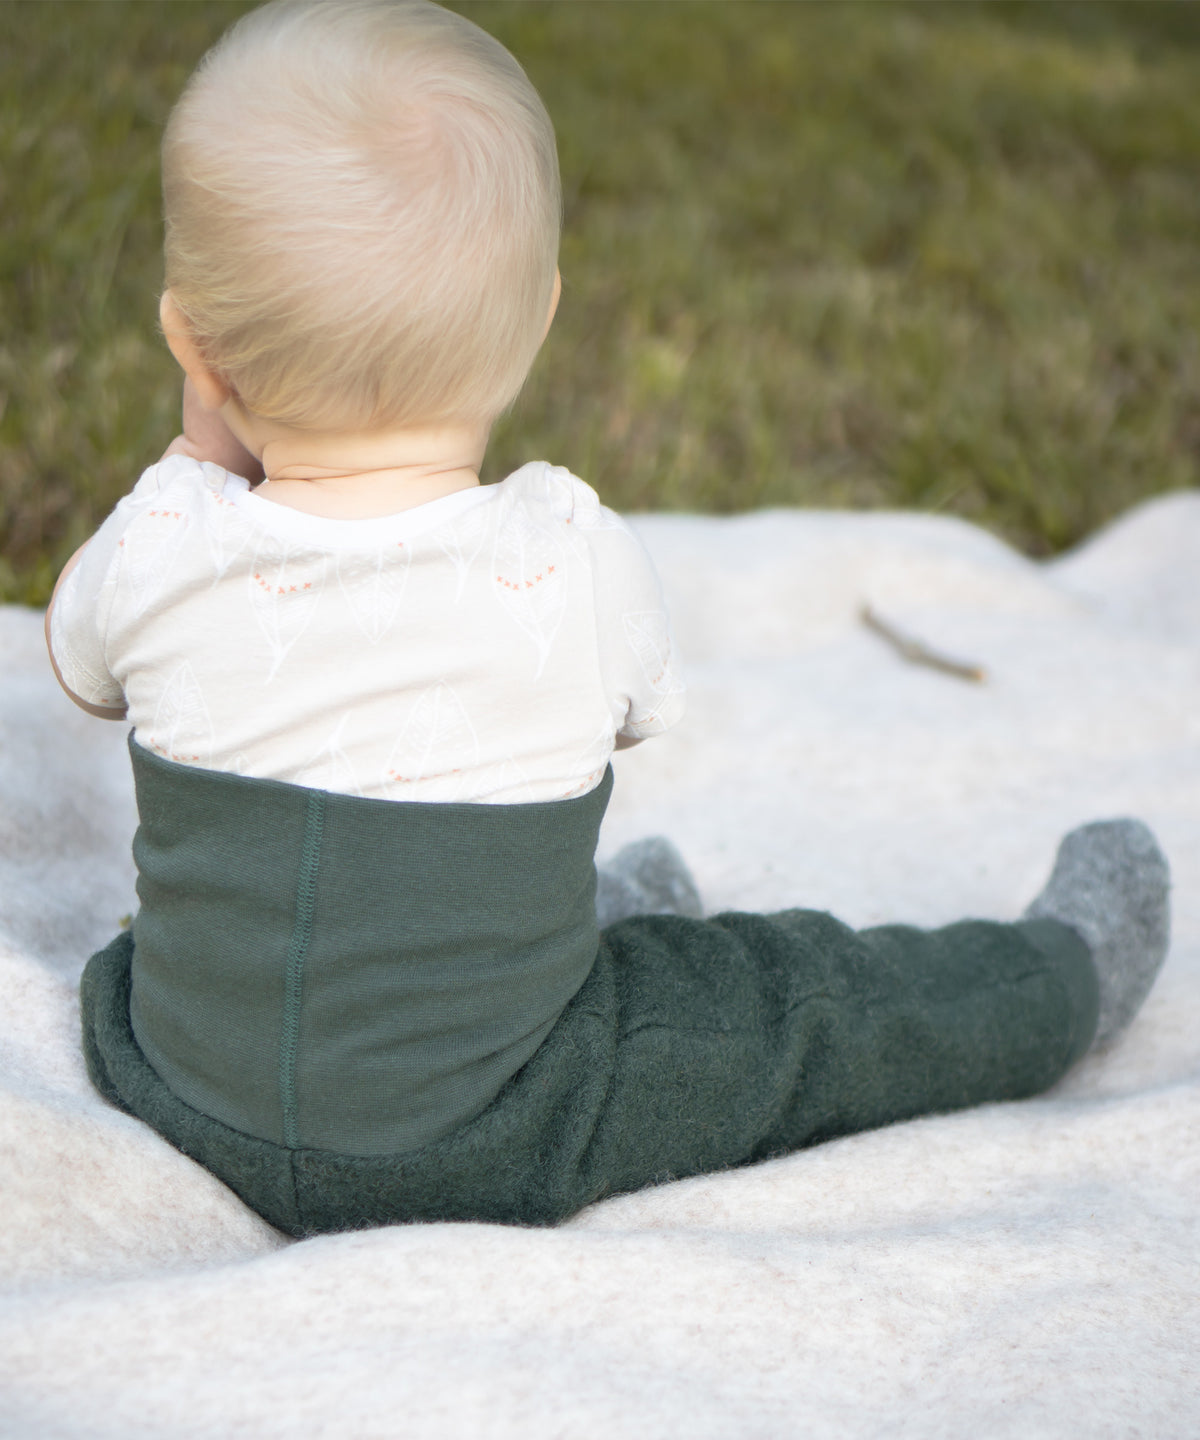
(488, 646)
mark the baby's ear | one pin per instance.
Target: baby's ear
(210, 389)
(554, 299)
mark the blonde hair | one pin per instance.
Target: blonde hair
(362, 214)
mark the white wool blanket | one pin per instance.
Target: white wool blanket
(1018, 1270)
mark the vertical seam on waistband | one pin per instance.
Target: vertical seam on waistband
(293, 980)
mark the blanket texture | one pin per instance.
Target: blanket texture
(1020, 1269)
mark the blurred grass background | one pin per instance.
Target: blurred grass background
(934, 255)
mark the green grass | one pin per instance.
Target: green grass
(940, 256)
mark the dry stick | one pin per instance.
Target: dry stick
(919, 653)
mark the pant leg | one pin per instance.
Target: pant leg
(934, 1021)
(694, 1046)
(699, 1045)
(748, 1035)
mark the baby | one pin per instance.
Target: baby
(373, 705)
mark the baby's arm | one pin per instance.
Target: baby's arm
(637, 662)
(103, 712)
(205, 437)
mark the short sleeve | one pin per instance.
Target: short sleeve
(79, 619)
(638, 663)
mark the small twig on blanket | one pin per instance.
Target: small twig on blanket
(917, 652)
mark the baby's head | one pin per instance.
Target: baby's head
(362, 215)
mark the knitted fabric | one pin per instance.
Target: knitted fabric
(338, 973)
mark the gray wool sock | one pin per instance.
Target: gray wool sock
(648, 877)
(1111, 883)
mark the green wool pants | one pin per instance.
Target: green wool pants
(691, 1046)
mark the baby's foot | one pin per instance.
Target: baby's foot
(648, 877)
(1111, 883)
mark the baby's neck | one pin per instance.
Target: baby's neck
(362, 476)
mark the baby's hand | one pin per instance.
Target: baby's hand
(207, 437)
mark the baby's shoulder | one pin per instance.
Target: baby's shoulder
(553, 494)
(179, 482)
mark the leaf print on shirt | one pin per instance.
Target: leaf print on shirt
(529, 578)
(78, 678)
(82, 679)
(373, 583)
(226, 530)
(591, 762)
(462, 540)
(182, 728)
(584, 505)
(552, 486)
(501, 783)
(150, 549)
(433, 752)
(647, 634)
(285, 584)
(330, 767)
